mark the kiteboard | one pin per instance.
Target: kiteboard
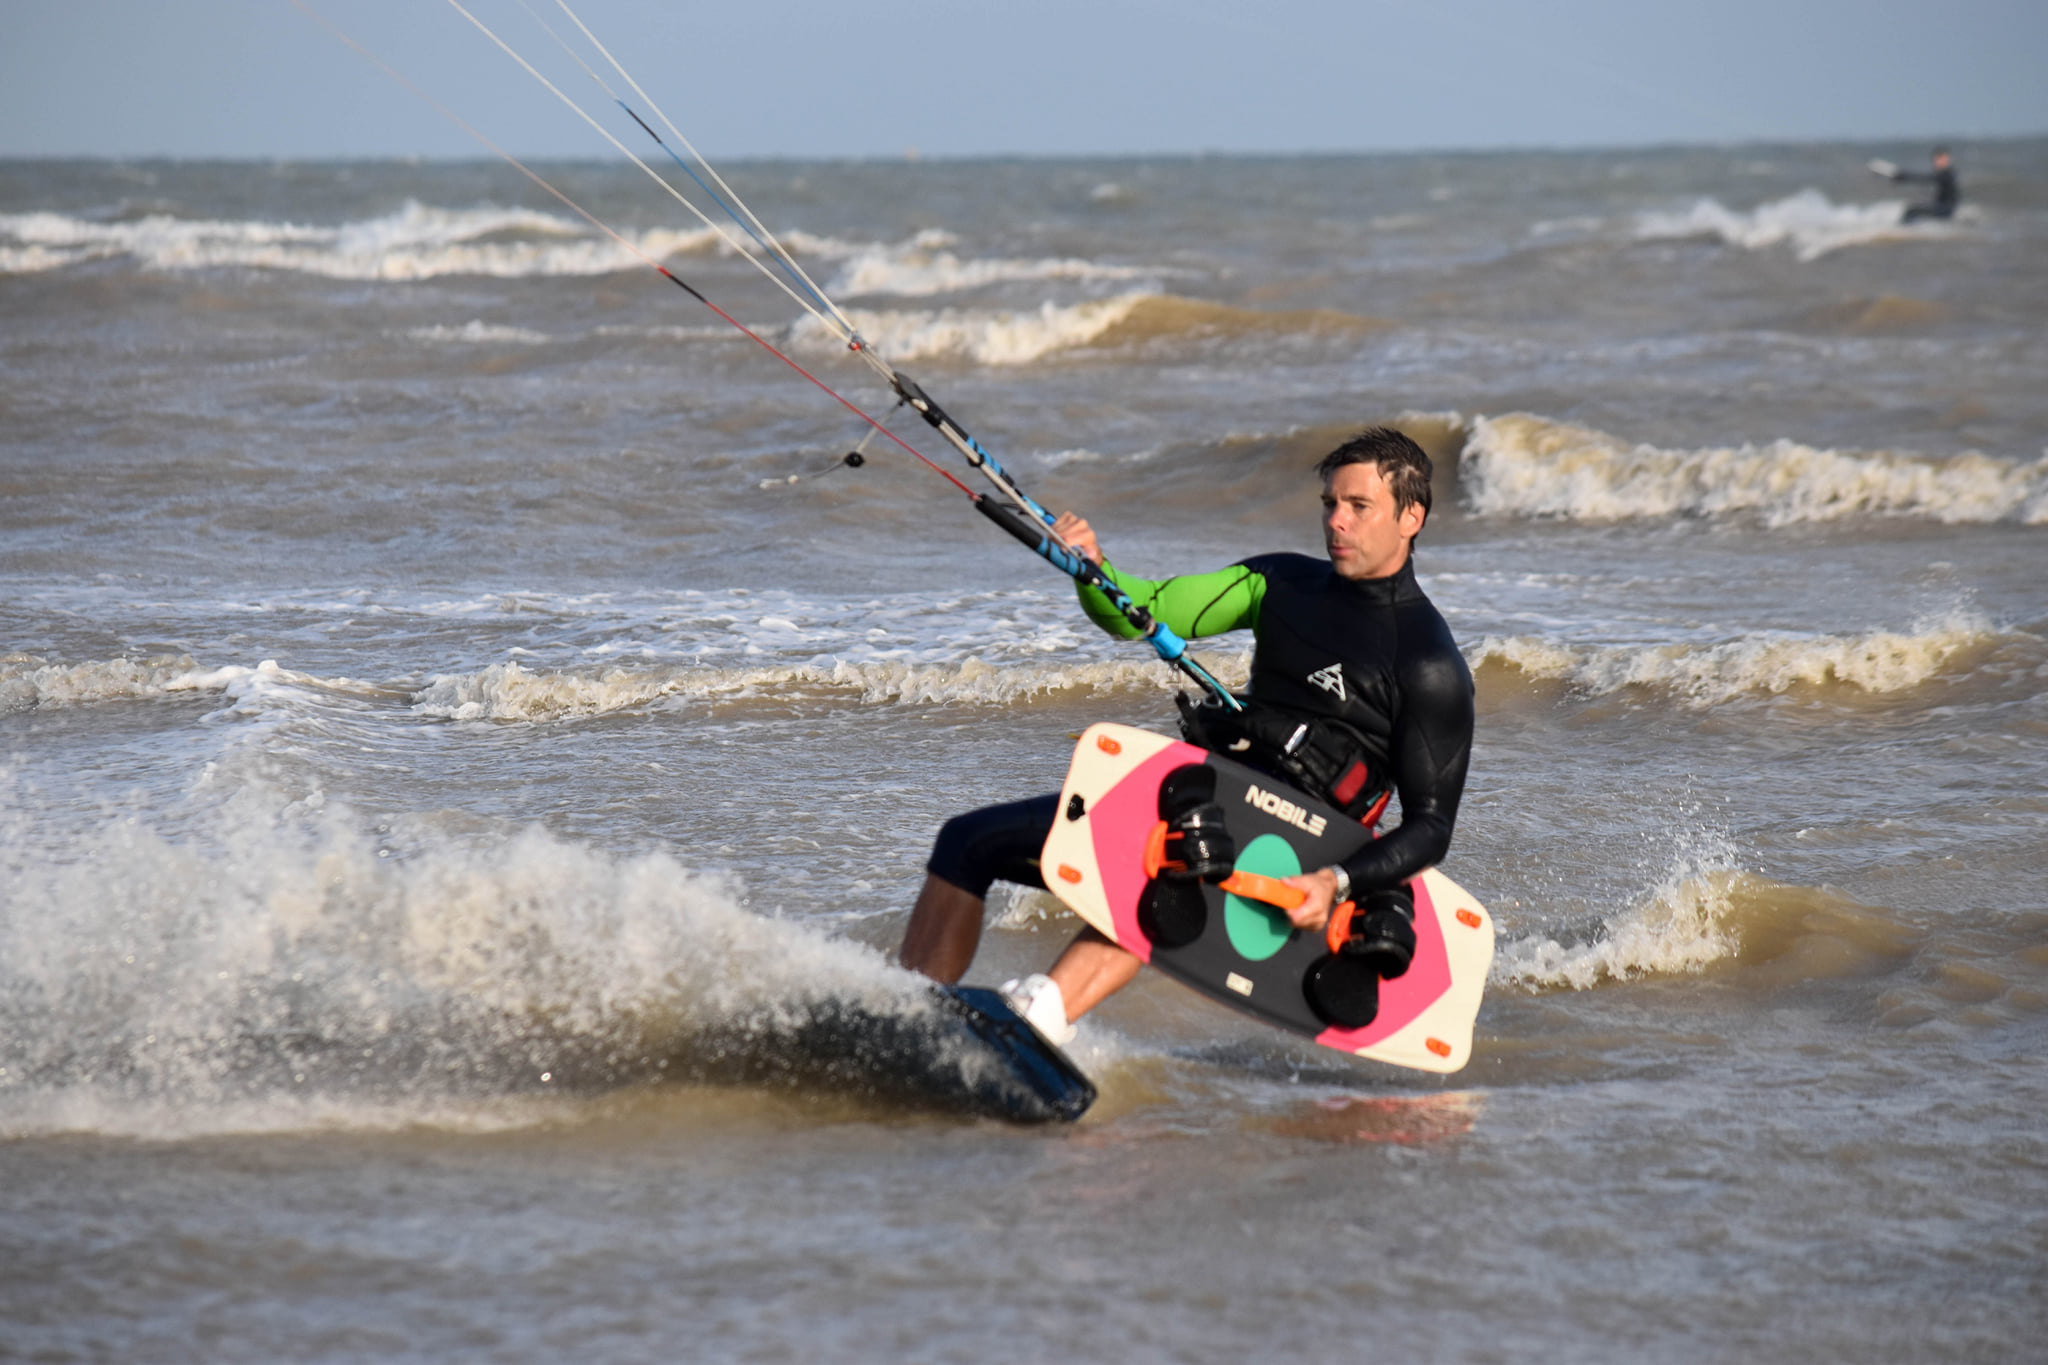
(963, 1050)
(1234, 945)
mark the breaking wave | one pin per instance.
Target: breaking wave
(477, 332)
(994, 337)
(27, 681)
(508, 692)
(1684, 925)
(1523, 465)
(416, 242)
(1807, 221)
(1704, 914)
(1772, 661)
(924, 266)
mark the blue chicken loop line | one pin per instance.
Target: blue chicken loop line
(1158, 634)
(1038, 536)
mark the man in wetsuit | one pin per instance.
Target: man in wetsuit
(1352, 639)
(1946, 192)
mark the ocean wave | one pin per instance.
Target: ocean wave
(1704, 914)
(991, 337)
(1808, 221)
(987, 338)
(1768, 661)
(924, 266)
(28, 681)
(477, 332)
(1523, 465)
(417, 242)
(508, 692)
(1681, 927)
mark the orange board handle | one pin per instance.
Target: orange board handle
(1271, 890)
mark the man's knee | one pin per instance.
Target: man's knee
(996, 843)
(953, 861)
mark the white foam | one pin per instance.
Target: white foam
(1524, 465)
(1811, 224)
(508, 692)
(477, 332)
(1681, 925)
(1680, 928)
(1767, 661)
(29, 681)
(922, 267)
(986, 337)
(416, 242)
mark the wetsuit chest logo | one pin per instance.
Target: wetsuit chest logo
(1330, 679)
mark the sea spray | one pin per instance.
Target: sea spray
(294, 959)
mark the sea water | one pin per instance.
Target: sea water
(454, 698)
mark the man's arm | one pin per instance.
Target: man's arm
(1431, 750)
(1192, 605)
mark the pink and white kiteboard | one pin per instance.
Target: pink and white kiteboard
(1229, 942)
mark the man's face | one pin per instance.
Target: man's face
(1363, 533)
(1941, 161)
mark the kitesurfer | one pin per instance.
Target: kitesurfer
(1349, 644)
(1942, 177)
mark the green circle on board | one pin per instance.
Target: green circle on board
(1258, 930)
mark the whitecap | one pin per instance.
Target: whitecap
(1681, 927)
(923, 267)
(988, 337)
(1877, 662)
(1524, 465)
(509, 692)
(478, 332)
(414, 242)
(1808, 221)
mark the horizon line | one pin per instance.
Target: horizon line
(914, 155)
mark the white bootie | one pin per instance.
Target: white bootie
(1039, 1003)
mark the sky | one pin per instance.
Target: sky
(804, 78)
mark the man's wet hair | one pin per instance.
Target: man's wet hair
(1401, 463)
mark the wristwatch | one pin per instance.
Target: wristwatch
(1343, 884)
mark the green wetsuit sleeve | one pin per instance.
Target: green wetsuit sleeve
(1192, 605)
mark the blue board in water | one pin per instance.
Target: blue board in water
(967, 1053)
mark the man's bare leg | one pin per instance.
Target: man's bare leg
(944, 931)
(1091, 970)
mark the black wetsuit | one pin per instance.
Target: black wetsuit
(1374, 653)
(1946, 194)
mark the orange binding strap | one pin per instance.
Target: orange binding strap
(1155, 851)
(1338, 933)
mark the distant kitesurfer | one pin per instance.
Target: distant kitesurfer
(1348, 651)
(1943, 177)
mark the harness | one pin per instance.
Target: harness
(1319, 754)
